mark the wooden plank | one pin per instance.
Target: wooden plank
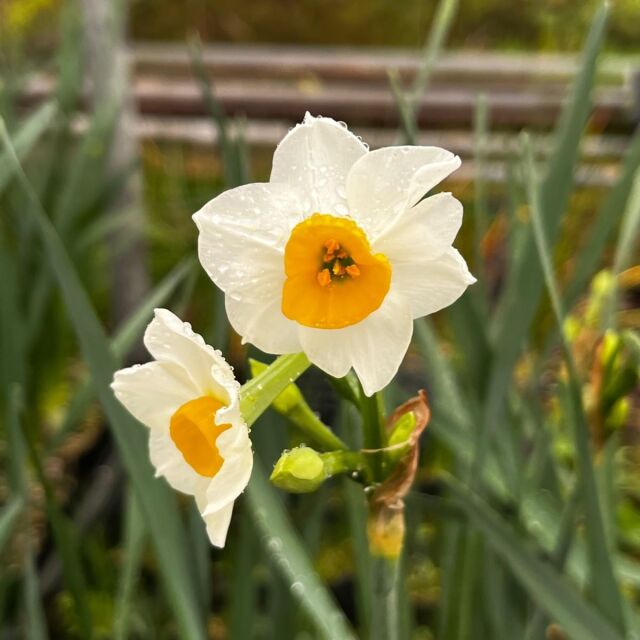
(479, 68)
(370, 105)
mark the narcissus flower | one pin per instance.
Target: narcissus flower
(189, 400)
(339, 252)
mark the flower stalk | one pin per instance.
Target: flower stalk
(293, 406)
(386, 521)
(385, 620)
(257, 394)
(373, 432)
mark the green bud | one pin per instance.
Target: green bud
(299, 470)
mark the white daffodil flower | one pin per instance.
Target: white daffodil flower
(339, 252)
(188, 397)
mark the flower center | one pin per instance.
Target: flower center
(194, 432)
(333, 278)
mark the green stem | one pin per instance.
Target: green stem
(384, 612)
(257, 394)
(338, 462)
(304, 418)
(373, 432)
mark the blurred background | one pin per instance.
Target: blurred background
(124, 118)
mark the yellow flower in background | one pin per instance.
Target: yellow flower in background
(188, 397)
(339, 252)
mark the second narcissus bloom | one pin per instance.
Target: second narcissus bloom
(339, 252)
(188, 397)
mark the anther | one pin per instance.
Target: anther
(353, 270)
(324, 277)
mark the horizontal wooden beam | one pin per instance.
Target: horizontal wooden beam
(441, 108)
(363, 64)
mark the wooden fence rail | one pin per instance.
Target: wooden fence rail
(273, 86)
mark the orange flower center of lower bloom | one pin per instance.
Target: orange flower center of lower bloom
(194, 431)
(333, 278)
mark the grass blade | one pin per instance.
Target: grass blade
(409, 104)
(35, 621)
(243, 593)
(8, 518)
(134, 537)
(605, 590)
(26, 137)
(66, 541)
(283, 546)
(544, 584)
(516, 311)
(628, 229)
(607, 216)
(124, 339)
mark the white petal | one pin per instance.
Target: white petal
(379, 348)
(242, 236)
(315, 157)
(263, 325)
(217, 523)
(424, 231)
(382, 184)
(168, 339)
(152, 392)
(326, 349)
(431, 285)
(374, 347)
(169, 462)
(232, 478)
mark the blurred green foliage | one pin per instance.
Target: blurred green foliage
(488, 24)
(505, 550)
(540, 25)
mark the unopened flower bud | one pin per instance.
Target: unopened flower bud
(299, 470)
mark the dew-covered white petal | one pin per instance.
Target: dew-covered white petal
(385, 182)
(232, 478)
(242, 236)
(217, 523)
(152, 392)
(374, 347)
(431, 285)
(169, 339)
(315, 158)
(422, 232)
(263, 324)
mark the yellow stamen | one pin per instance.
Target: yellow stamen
(331, 246)
(194, 432)
(324, 277)
(333, 278)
